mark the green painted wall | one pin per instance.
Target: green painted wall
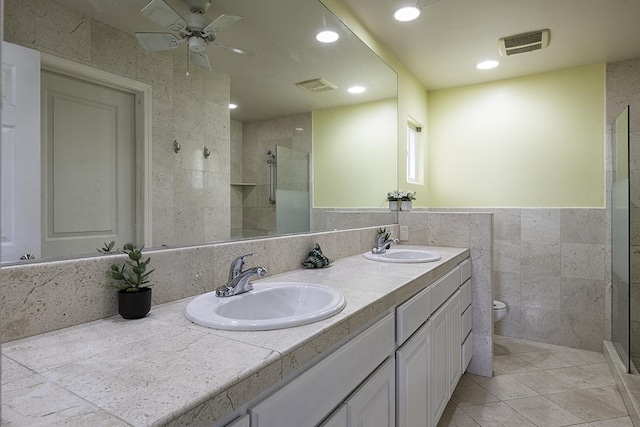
(535, 141)
(350, 143)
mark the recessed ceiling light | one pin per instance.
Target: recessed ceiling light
(356, 89)
(487, 65)
(406, 13)
(232, 106)
(327, 36)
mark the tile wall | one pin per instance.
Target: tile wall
(41, 297)
(190, 195)
(473, 231)
(549, 267)
(258, 216)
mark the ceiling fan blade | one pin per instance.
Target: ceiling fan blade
(222, 21)
(155, 42)
(200, 59)
(162, 14)
(233, 49)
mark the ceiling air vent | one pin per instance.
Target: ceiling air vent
(526, 42)
(317, 85)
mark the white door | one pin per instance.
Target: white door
(88, 166)
(413, 363)
(20, 156)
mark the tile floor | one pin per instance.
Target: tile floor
(536, 384)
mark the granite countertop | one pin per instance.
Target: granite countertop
(165, 370)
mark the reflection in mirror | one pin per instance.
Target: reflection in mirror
(192, 199)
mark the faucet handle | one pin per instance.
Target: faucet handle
(237, 265)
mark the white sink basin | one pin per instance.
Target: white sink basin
(273, 305)
(404, 256)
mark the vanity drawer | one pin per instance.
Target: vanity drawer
(465, 270)
(309, 398)
(444, 287)
(467, 351)
(467, 318)
(412, 314)
(465, 295)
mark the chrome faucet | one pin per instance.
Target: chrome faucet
(382, 242)
(238, 282)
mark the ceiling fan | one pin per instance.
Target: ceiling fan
(195, 29)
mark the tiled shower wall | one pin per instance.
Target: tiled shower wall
(190, 195)
(622, 90)
(294, 131)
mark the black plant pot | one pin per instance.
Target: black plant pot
(134, 305)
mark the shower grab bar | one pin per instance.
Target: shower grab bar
(271, 161)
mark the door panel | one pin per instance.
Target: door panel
(20, 166)
(88, 165)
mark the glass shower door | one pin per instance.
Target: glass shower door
(292, 191)
(620, 226)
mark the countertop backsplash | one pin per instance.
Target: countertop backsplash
(42, 297)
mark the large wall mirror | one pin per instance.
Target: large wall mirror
(298, 145)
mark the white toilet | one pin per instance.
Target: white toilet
(499, 310)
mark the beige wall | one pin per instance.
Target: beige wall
(354, 161)
(190, 195)
(412, 96)
(533, 141)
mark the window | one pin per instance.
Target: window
(413, 148)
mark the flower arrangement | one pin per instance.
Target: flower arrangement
(406, 196)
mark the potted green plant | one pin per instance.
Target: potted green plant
(131, 280)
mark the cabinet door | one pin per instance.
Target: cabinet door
(413, 364)
(240, 422)
(440, 363)
(338, 418)
(373, 403)
(455, 341)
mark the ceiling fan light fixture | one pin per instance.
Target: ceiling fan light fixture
(406, 13)
(196, 44)
(327, 36)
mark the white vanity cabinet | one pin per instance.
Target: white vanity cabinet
(429, 364)
(413, 366)
(373, 404)
(439, 363)
(309, 398)
(338, 418)
(240, 422)
(400, 371)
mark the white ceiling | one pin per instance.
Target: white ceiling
(450, 37)
(282, 33)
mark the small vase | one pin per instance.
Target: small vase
(406, 205)
(393, 205)
(134, 305)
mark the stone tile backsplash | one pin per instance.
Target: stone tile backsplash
(42, 297)
(550, 268)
